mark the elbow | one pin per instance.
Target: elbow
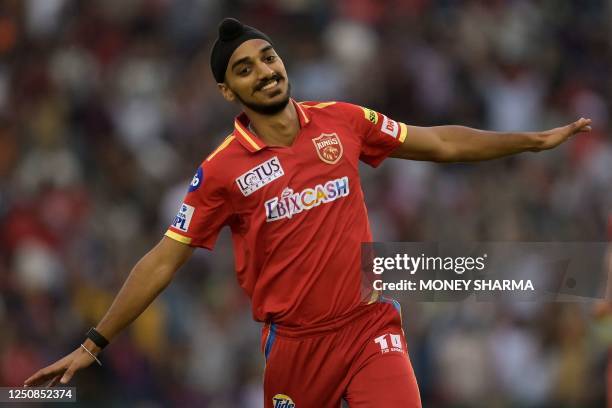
(165, 274)
(155, 271)
(445, 153)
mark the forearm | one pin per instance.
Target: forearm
(144, 283)
(463, 144)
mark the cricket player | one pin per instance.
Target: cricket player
(286, 182)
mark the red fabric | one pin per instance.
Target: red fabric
(302, 269)
(358, 362)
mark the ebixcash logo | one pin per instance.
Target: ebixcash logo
(291, 203)
(259, 176)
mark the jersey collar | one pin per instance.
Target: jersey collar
(249, 140)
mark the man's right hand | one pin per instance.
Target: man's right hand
(147, 279)
(62, 370)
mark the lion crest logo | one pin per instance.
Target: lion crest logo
(328, 147)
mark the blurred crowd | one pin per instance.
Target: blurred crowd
(108, 106)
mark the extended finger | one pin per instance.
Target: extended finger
(40, 376)
(46, 373)
(54, 381)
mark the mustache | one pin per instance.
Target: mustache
(264, 82)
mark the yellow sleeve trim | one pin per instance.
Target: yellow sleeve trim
(178, 237)
(403, 132)
(222, 146)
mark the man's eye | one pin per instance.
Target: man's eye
(270, 58)
(243, 71)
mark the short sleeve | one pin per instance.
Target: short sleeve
(380, 135)
(204, 211)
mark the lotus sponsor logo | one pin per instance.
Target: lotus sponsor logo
(328, 147)
(259, 176)
(290, 203)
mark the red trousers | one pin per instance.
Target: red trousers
(361, 358)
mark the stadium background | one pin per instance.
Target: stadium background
(107, 107)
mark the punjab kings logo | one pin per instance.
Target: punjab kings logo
(328, 147)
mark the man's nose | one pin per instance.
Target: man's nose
(263, 70)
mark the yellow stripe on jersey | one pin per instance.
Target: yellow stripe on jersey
(304, 117)
(403, 132)
(178, 237)
(222, 146)
(248, 138)
(370, 115)
(319, 105)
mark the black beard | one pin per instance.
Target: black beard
(272, 109)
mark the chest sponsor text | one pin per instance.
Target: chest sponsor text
(291, 203)
(259, 176)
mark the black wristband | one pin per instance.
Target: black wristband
(98, 339)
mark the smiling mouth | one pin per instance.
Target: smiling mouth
(270, 85)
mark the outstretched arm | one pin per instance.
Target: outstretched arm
(463, 144)
(147, 279)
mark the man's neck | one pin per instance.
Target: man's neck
(275, 130)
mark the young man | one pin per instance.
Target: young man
(286, 182)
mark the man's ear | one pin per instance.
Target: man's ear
(227, 93)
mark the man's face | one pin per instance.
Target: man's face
(256, 77)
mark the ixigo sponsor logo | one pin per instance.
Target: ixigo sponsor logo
(290, 203)
(282, 401)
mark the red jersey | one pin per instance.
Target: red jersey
(296, 213)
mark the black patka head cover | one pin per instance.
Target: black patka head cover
(232, 33)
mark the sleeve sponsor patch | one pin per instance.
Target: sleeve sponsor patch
(197, 180)
(183, 217)
(370, 115)
(389, 126)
